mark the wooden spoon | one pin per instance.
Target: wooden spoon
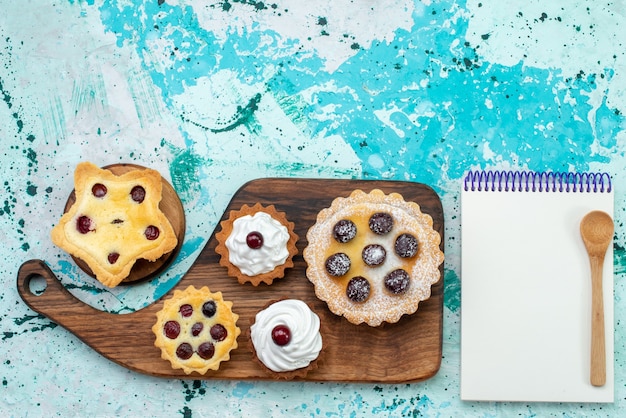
(596, 229)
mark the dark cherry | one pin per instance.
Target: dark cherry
(338, 264)
(381, 223)
(209, 308)
(196, 329)
(84, 224)
(151, 233)
(99, 190)
(185, 310)
(218, 332)
(254, 240)
(374, 255)
(358, 289)
(184, 351)
(112, 257)
(206, 350)
(138, 194)
(281, 335)
(397, 281)
(344, 231)
(171, 329)
(406, 246)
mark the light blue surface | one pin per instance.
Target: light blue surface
(213, 94)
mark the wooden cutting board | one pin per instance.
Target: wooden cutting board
(407, 351)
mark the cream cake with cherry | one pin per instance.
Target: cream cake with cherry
(196, 330)
(115, 221)
(256, 244)
(286, 338)
(373, 257)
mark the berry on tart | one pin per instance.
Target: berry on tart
(281, 335)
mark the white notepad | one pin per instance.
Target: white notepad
(526, 287)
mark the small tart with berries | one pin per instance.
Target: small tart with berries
(196, 330)
(114, 221)
(373, 257)
(256, 244)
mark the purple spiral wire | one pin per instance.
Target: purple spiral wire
(531, 181)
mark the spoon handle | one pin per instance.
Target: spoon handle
(598, 352)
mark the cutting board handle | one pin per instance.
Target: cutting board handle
(55, 299)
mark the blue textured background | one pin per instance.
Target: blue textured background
(213, 94)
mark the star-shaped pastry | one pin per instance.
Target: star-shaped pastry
(115, 221)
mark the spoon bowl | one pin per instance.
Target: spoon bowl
(596, 230)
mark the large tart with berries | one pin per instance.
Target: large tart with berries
(256, 244)
(114, 221)
(373, 257)
(196, 330)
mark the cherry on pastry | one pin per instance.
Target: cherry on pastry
(338, 264)
(185, 310)
(112, 257)
(206, 350)
(84, 224)
(374, 255)
(358, 289)
(196, 329)
(254, 240)
(99, 190)
(397, 281)
(381, 223)
(218, 332)
(151, 233)
(184, 351)
(406, 245)
(344, 231)
(171, 329)
(281, 335)
(209, 308)
(138, 194)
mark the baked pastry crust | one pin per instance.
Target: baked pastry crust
(187, 322)
(227, 229)
(381, 305)
(116, 230)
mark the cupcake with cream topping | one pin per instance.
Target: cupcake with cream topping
(286, 339)
(256, 244)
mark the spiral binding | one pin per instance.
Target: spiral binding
(532, 181)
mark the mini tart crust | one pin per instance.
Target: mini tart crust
(224, 316)
(119, 222)
(227, 229)
(381, 306)
(292, 374)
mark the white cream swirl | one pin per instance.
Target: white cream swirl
(306, 340)
(272, 253)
